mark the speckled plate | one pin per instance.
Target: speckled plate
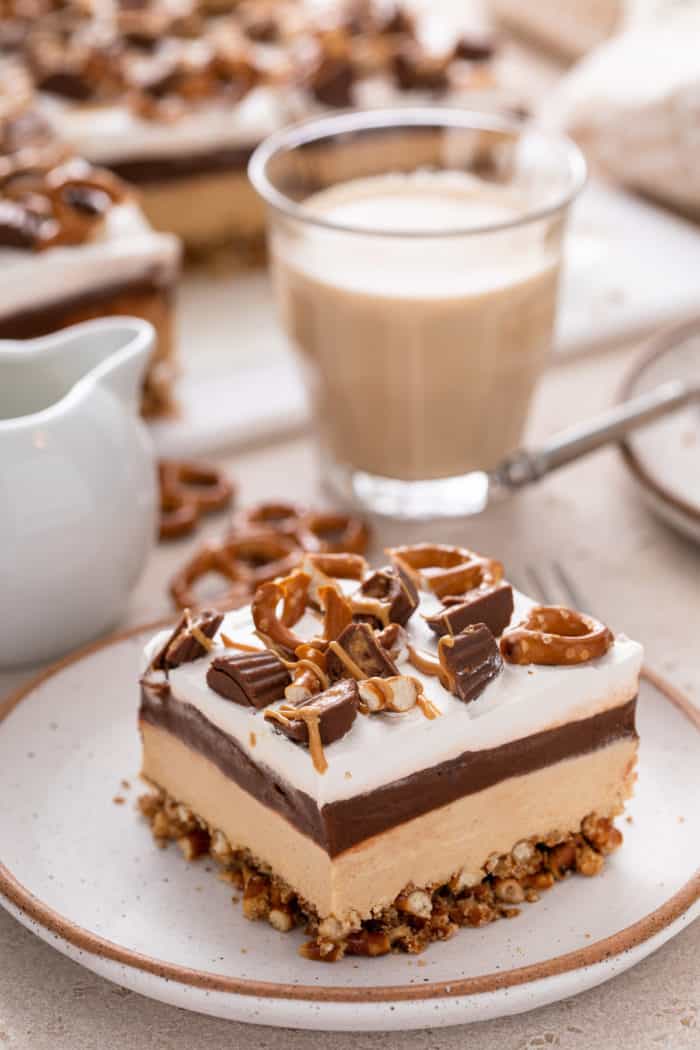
(79, 868)
(664, 458)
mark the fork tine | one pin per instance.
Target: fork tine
(570, 589)
(538, 587)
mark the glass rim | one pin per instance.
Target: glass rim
(316, 128)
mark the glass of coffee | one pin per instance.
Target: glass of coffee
(415, 256)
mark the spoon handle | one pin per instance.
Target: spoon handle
(525, 466)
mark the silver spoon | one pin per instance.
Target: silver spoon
(526, 466)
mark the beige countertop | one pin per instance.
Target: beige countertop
(634, 573)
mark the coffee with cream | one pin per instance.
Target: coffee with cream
(422, 349)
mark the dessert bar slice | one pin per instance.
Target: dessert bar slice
(176, 99)
(385, 756)
(75, 245)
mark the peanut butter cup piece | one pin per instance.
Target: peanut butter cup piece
(387, 596)
(335, 709)
(357, 654)
(490, 605)
(332, 82)
(470, 660)
(185, 643)
(249, 679)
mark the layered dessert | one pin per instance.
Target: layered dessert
(385, 756)
(174, 97)
(75, 245)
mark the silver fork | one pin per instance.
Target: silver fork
(552, 584)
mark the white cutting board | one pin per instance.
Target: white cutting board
(630, 267)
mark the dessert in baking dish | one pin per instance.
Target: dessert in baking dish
(385, 756)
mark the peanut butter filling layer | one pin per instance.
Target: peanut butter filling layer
(547, 804)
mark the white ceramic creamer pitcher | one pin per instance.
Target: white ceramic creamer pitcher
(77, 485)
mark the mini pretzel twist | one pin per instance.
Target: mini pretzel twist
(321, 532)
(188, 489)
(446, 570)
(283, 518)
(210, 560)
(244, 562)
(58, 195)
(556, 636)
(333, 533)
(269, 626)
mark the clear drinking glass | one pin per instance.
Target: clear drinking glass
(415, 255)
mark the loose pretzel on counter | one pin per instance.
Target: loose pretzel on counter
(556, 636)
(282, 518)
(243, 562)
(321, 532)
(188, 489)
(333, 533)
(445, 570)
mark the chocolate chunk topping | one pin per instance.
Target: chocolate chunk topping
(471, 660)
(365, 656)
(416, 70)
(249, 679)
(336, 708)
(474, 48)
(182, 647)
(490, 605)
(394, 598)
(67, 83)
(332, 82)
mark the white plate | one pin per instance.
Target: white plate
(239, 383)
(83, 873)
(665, 458)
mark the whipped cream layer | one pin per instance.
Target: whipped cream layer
(114, 133)
(124, 249)
(383, 748)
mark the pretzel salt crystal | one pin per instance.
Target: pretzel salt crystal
(445, 569)
(556, 636)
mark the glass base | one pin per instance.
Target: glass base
(453, 497)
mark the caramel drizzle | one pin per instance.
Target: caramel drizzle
(198, 634)
(241, 646)
(426, 665)
(286, 713)
(347, 661)
(371, 607)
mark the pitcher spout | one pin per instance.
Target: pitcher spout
(128, 343)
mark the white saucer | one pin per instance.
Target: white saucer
(82, 872)
(664, 458)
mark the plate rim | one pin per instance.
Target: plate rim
(658, 347)
(52, 922)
